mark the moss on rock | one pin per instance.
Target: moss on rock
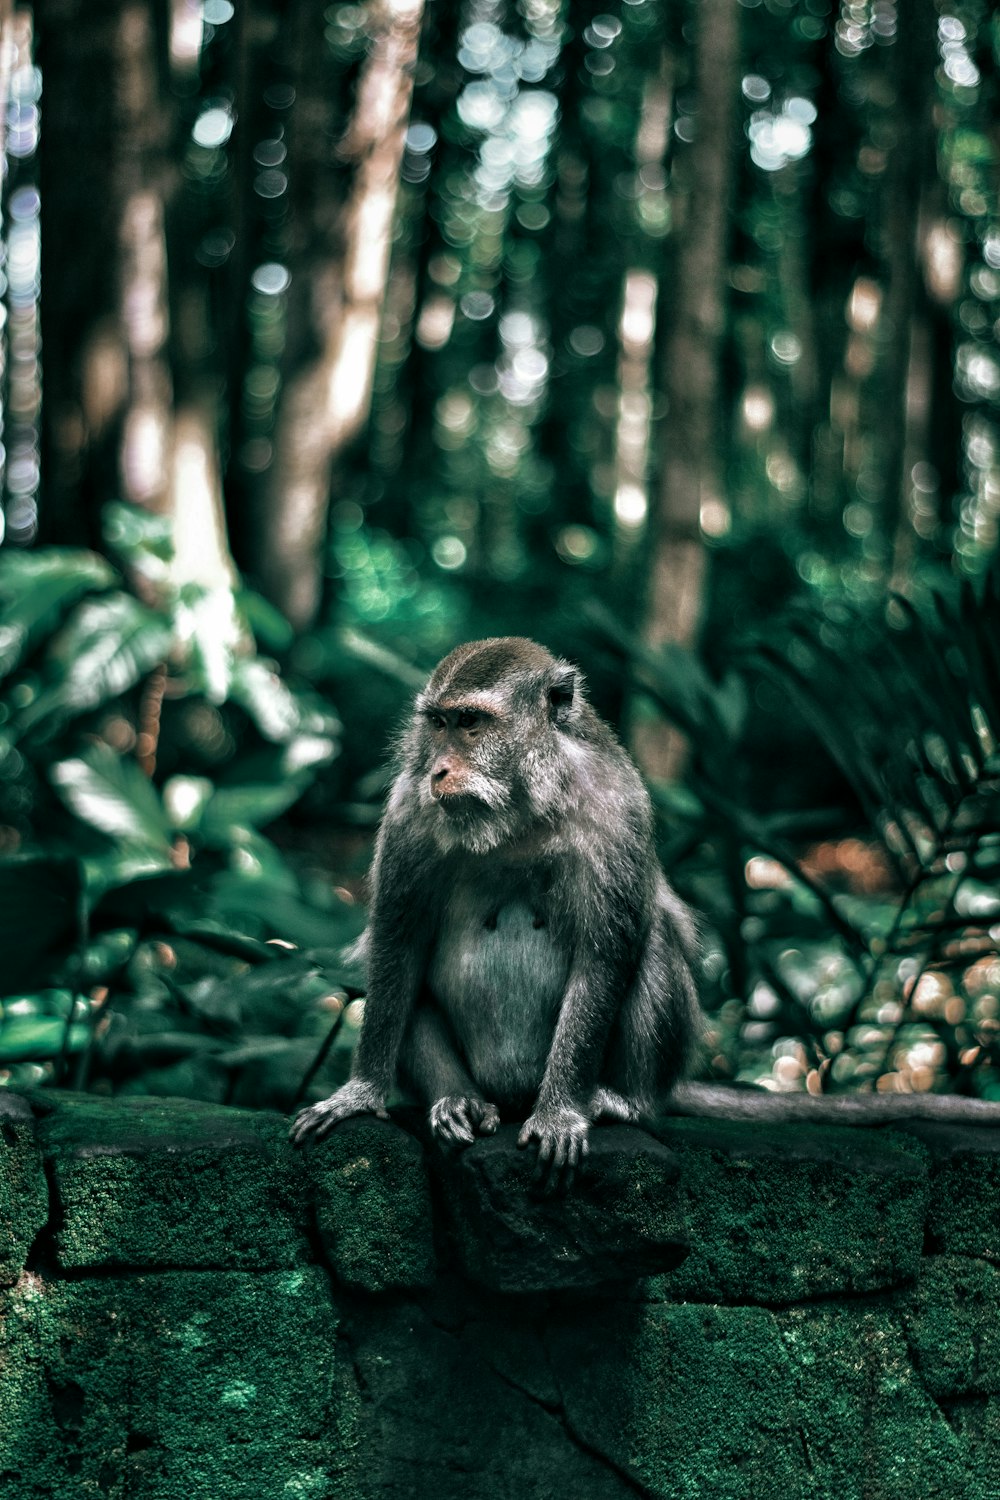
(373, 1206)
(24, 1193)
(622, 1218)
(952, 1320)
(144, 1182)
(740, 1402)
(963, 1215)
(779, 1214)
(151, 1375)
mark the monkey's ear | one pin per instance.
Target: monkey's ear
(562, 687)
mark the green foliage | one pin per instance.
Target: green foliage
(862, 956)
(145, 745)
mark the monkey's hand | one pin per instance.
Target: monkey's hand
(458, 1118)
(561, 1133)
(353, 1098)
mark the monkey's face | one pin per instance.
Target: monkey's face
(488, 759)
(466, 760)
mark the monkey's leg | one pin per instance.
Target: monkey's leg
(431, 1065)
(656, 1026)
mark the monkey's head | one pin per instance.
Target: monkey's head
(491, 740)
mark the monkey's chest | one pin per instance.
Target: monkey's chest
(500, 977)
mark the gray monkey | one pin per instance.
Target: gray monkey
(526, 956)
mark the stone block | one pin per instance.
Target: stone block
(373, 1206)
(144, 1182)
(744, 1402)
(777, 1214)
(24, 1193)
(952, 1320)
(621, 1219)
(120, 1383)
(442, 1420)
(963, 1216)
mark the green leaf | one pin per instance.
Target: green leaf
(185, 799)
(35, 587)
(264, 908)
(106, 646)
(36, 1038)
(112, 795)
(281, 713)
(270, 702)
(250, 806)
(136, 533)
(267, 624)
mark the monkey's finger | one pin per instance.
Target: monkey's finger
(576, 1160)
(490, 1120)
(450, 1123)
(545, 1167)
(559, 1166)
(458, 1133)
(302, 1127)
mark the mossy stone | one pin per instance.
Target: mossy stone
(152, 1182)
(963, 1215)
(373, 1205)
(621, 1219)
(778, 1214)
(442, 1421)
(952, 1320)
(24, 1193)
(119, 1378)
(743, 1402)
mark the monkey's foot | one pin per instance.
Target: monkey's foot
(561, 1133)
(607, 1104)
(458, 1118)
(354, 1098)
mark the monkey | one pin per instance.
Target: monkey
(526, 956)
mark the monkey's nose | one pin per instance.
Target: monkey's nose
(439, 781)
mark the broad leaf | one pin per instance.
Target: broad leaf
(106, 646)
(35, 587)
(36, 1038)
(251, 806)
(210, 635)
(112, 795)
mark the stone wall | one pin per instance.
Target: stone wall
(189, 1308)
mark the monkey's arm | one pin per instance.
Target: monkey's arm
(397, 955)
(560, 1120)
(613, 894)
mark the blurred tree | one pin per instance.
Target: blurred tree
(695, 297)
(344, 270)
(615, 288)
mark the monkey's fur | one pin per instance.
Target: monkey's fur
(526, 955)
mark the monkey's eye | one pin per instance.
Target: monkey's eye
(468, 719)
(436, 721)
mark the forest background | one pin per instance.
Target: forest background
(666, 333)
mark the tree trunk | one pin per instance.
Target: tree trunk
(902, 368)
(690, 477)
(326, 404)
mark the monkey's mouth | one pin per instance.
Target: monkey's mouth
(460, 804)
